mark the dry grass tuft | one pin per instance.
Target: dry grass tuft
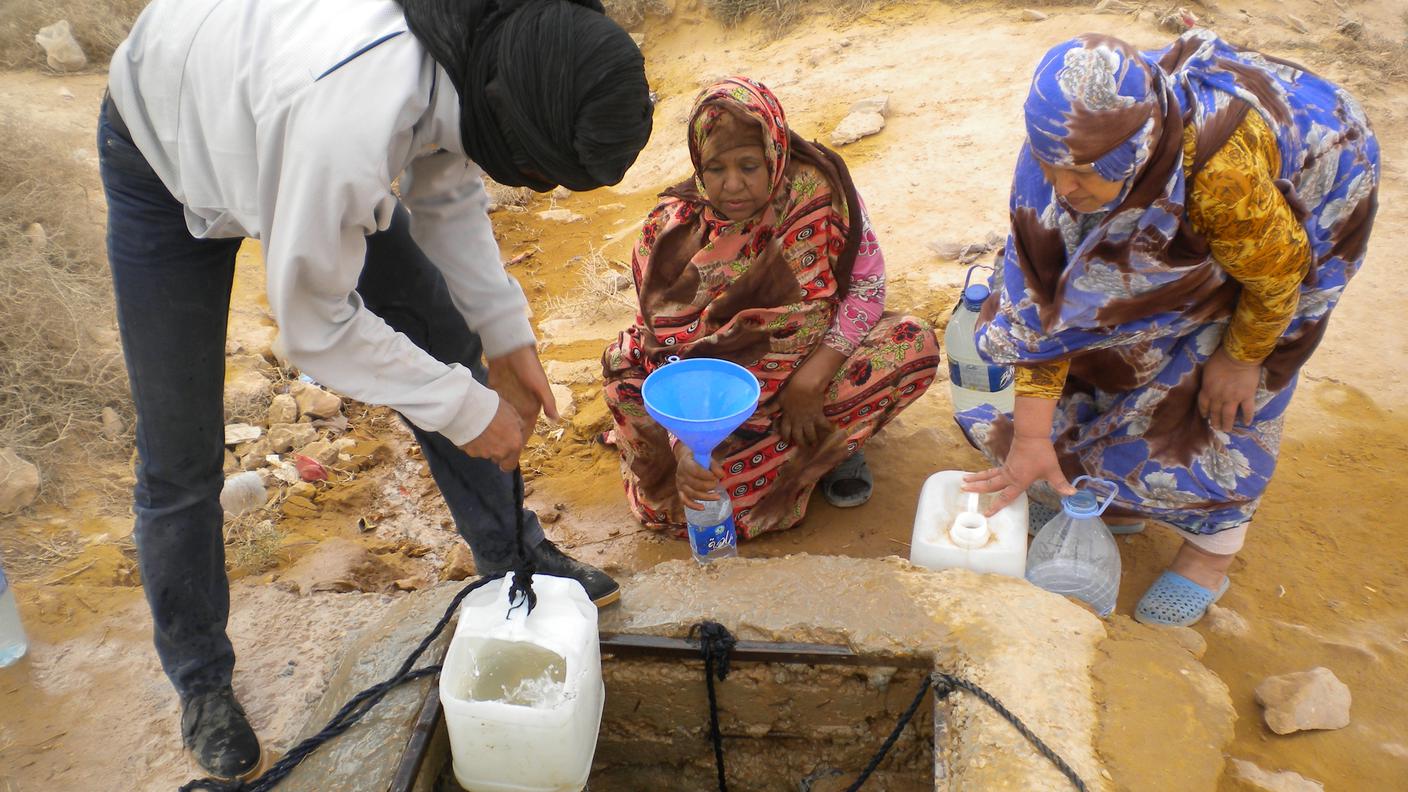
(253, 541)
(32, 554)
(98, 25)
(604, 290)
(783, 14)
(502, 195)
(629, 13)
(60, 363)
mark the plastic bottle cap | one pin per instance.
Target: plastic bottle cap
(970, 530)
(1080, 505)
(974, 295)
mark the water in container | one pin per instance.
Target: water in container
(972, 380)
(522, 692)
(1074, 553)
(712, 534)
(951, 531)
(13, 643)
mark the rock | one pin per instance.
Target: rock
(1350, 26)
(1283, 781)
(112, 424)
(1033, 15)
(19, 482)
(298, 506)
(338, 565)
(66, 95)
(1189, 639)
(1297, 24)
(254, 455)
(246, 392)
(856, 126)
(37, 236)
(413, 583)
(315, 401)
(459, 564)
(871, 104)
(283, 409)
(566, 404)
(592, 417)
(61, 47)
(639, 39)
(231, 464)
(1226, 622)
(577, 372)
(1314, 699)
(304, 490)
(237, 433)
(321, 450)
(561, 193)
(561, 216)
(286, 437)
(611, 207)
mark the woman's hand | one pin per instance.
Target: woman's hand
(1031, 458)
(695, 484)
(518, 378)
(1229, 387)
(803, 422)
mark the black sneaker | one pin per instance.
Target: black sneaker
(217, 733)
(599, 585)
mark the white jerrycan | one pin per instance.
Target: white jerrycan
(523, 694)
(950, 530)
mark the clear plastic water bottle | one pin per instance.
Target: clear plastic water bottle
(1075, 555)
(13, 644)
(972, 380)
(712, 534)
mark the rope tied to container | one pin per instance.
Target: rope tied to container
(716, 642)
(520, 593)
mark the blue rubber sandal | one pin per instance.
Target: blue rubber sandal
(1176, 601)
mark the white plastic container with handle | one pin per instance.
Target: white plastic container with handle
(950, 530)
(523, 695)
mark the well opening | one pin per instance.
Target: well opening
(792, 717)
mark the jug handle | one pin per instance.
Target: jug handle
(1114, 490)
(969, 277)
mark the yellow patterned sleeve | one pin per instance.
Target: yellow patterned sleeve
(1235, 204)
(1043, 380)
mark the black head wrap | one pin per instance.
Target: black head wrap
(551, 91)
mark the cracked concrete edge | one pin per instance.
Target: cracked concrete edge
(1030, 649)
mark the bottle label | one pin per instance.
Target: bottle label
(980, 376)
(706, 540)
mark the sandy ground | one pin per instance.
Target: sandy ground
(1321, 581)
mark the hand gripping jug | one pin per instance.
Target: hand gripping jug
(951, 531)
(523, 693)
(1075, 555)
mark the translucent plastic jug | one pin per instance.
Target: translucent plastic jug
(950, 530)
(972, 380)
(1075, 555)
(523, 694)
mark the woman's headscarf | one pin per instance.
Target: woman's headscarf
(1137, 272)
(551, 91)
(758, 291)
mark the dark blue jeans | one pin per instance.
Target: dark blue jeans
(173, 301)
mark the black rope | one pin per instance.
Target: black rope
(905, 718)
(947, 683)
(520, 593)
(716, 644)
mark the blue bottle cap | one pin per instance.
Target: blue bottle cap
(974, 296)
(1081, 505)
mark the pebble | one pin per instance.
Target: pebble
(19, 482)
(314, 401)
(561, 216)
(1226, 622)
(1283, 781)
(283, 409)
(1314, 699)
(237, 433)
(1033, 15)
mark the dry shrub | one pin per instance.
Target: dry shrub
(253, 541)
(601, 292)
(783, 14)
(60, 363)
(503, 195)
(629, 13)
(98, 25)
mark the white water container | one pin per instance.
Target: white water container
(523, 694)
(950, 531)
(973, 381)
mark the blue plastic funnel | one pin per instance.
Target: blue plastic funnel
(701, 401)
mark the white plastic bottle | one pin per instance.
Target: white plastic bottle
(972, 380)
(13, 643)
(712, 534)
(1075, 555)
(950, 530)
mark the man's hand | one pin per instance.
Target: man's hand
(519, 380)
(502, 440)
